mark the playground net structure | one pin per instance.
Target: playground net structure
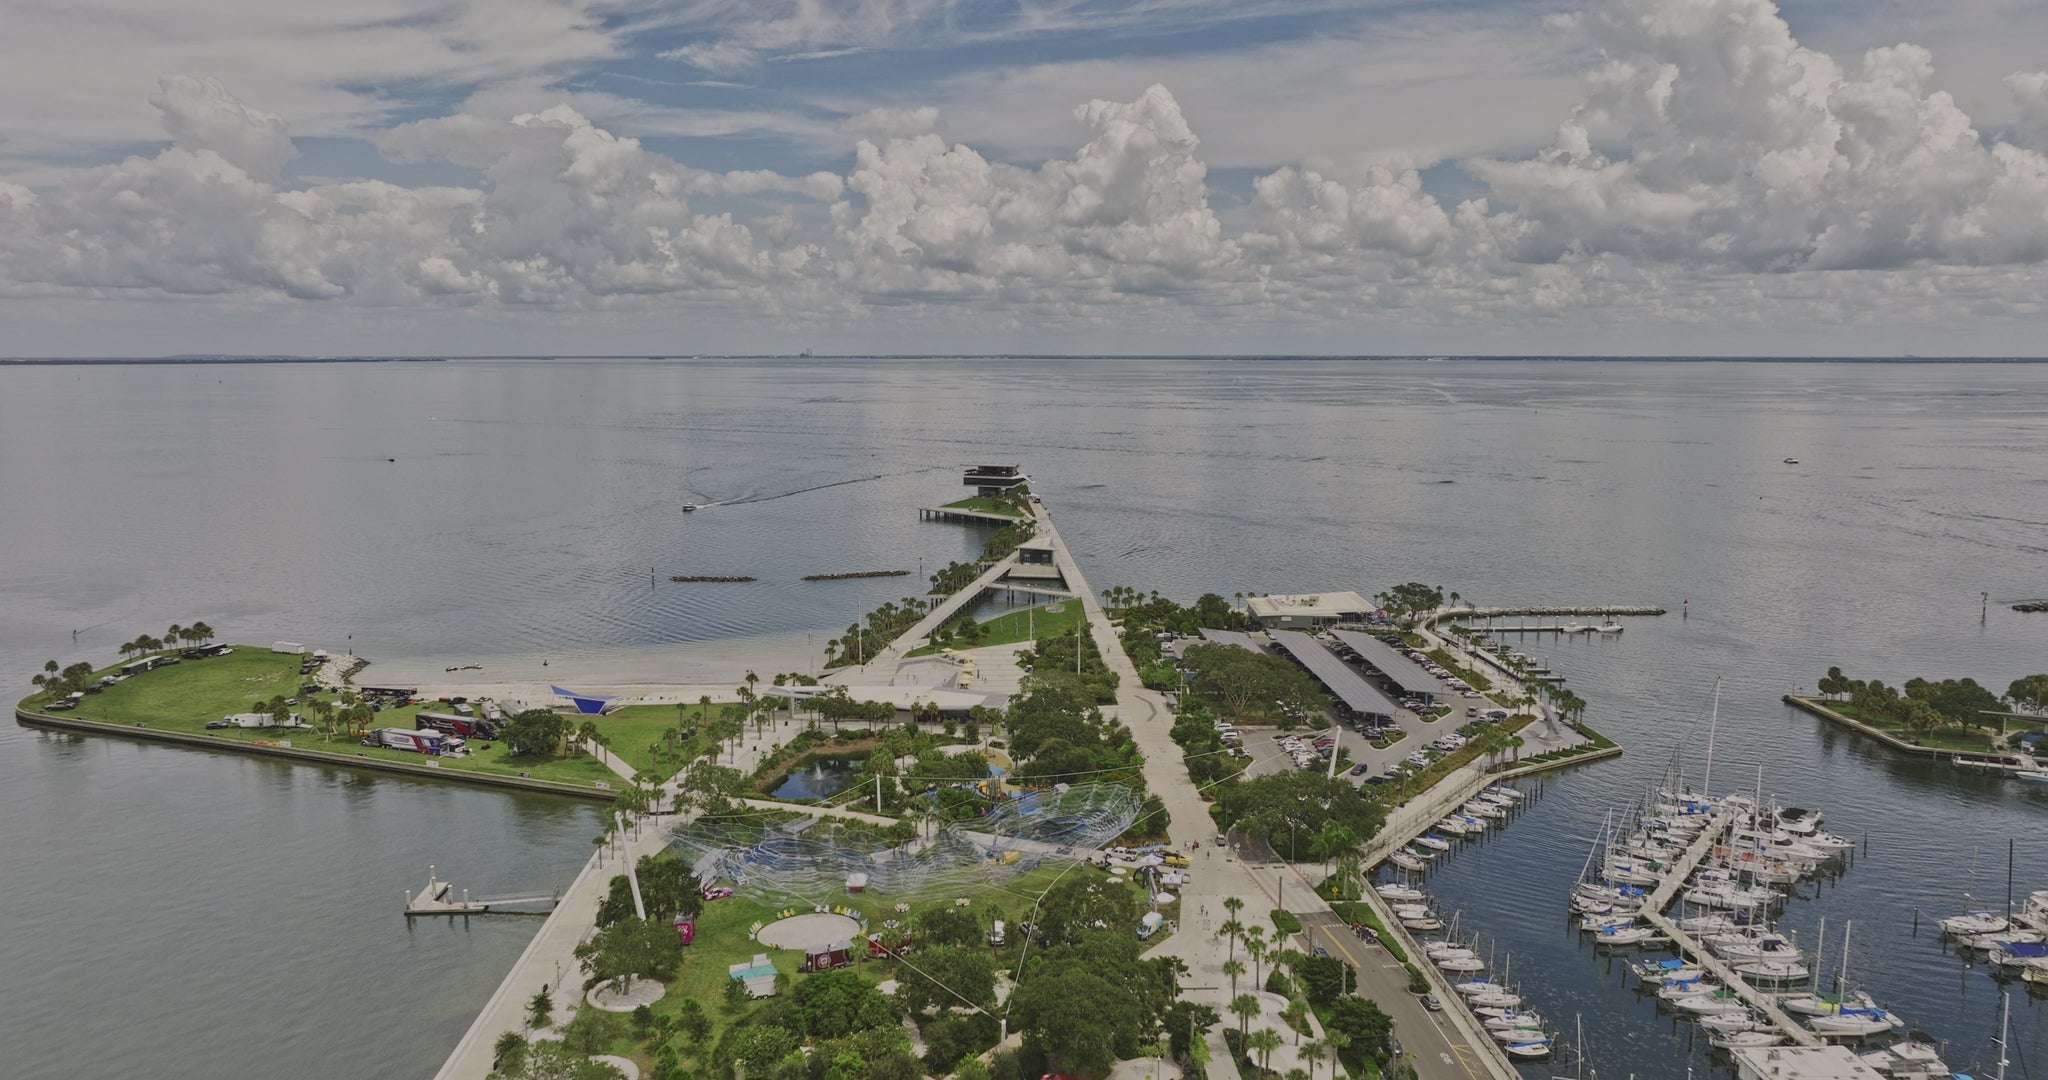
(811, 860)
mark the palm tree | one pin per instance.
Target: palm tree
(1232, 930)
(1265, 1041)
(201, 632)
(1313, 1052)
(126, 649)
(1233, 968)
(1244, 1007)
(1296, 1015)
(171, 635)
(1255, 947)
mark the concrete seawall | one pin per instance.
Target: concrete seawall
(310, 757)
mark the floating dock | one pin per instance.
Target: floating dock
(436, 899)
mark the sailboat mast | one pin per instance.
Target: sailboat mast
(1820, 946)
(1707, 784)
(1842, 975)
(2004, 1018)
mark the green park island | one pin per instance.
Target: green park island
(1078, 875)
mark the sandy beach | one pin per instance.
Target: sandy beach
(656, 674)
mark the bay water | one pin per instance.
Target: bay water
(183, 914)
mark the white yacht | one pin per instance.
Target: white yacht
(1742, 1040)
(1608, 627)
(1825, 1004)
(1728, 1023)
(1394, 890)
(1856, 1022)
(1434, 842)
(1720, 1001)
(1532, 1050)
(1975, 922)
(1774, 971)
(1460, 965)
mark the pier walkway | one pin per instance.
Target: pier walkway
(1653, 913)
(1441, 1049)
(885, 658)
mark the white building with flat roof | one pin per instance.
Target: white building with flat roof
(1302, 611)
(1802, 1063)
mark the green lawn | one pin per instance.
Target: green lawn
(1944, 738)
(986, 506)
(184, 697)
(638, 734)
(1034, 623)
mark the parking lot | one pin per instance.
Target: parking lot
(1272, 750)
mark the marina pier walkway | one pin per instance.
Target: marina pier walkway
(1653, 913)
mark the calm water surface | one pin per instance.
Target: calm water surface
(187, 914)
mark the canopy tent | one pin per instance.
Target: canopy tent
(585, 703)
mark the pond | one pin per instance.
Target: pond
(819, 777)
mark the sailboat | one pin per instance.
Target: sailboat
(1971, 923)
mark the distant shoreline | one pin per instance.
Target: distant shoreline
(117, 361)
(111, 361)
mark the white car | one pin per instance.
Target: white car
(1472, 694)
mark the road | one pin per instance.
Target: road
(1436, 1051)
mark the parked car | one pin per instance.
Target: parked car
(1360, 769)
(1430, 1002)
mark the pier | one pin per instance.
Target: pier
(435, 899)
(963, 516)
(1653, 913)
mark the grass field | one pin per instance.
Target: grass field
(636, 734)
(1034, 623)
(1943, 738)
(184, 697)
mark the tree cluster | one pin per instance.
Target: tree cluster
(1056, 654)
(1289, 810)
(1244, 683)
(536, 733)
(1922, 705)
(1087, 999)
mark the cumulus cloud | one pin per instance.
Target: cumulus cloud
(2030, 94)
(1715, 170)
(1739, 146)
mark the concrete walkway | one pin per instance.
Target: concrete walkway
(550, 958)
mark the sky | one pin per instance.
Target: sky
(1659, 177)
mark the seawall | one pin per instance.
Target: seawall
(309, 757)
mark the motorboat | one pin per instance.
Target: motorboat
(1797, 820)
(1424, 854)
(1532, 1050)
(1791, 461)
(1856, 1022)
(1434, 842)
(1974, 922)
(688, 507)
(1774, 971)
(1407, 862)
(1394, 890)
(1743, 1040)
(2031, 776)
(1574, 628)
(1608, 627)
